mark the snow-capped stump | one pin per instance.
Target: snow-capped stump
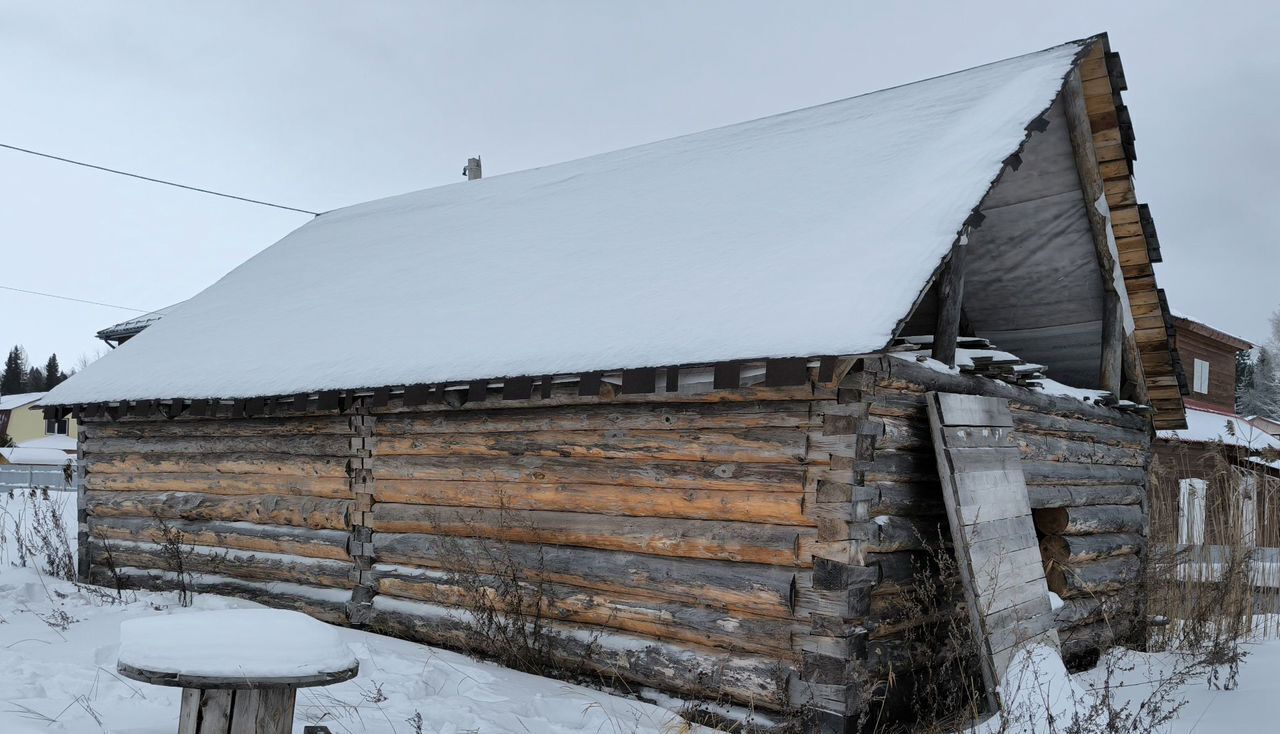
(240, 668)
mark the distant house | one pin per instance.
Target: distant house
(118, 334)
(1266, 425)
(23, 424)
(1218, 450)
(693, 387)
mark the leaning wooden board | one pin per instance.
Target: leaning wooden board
(991, 527)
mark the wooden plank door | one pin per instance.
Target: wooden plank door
(991, 528)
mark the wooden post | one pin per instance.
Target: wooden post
(472, 170)
(950, 299)
(1111, 372)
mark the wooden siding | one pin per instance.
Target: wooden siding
(1222, 368)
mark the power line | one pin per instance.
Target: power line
(158, 180)
(77, 300)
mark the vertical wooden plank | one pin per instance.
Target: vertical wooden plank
(950, 298)
(991, 528)
(275, 710)
(189, 715)
(215, 711)
(244, 712)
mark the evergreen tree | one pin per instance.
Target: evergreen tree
(1259, 393)
(53, 373)
(34, 381)
(14, 379)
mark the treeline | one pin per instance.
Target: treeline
(1258, 377)
(19, 377)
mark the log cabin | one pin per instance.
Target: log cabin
(683, 384)
(1224, 469)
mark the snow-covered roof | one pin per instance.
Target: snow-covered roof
(26, 455)
(1205, 426)
(714, 246)
(17, 400)
(59, 442)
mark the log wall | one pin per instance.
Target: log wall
(742, 544)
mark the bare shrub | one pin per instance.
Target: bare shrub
(176, 553)
(33, 522)
(505, 596)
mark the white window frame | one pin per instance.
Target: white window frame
(1191, 494)
(1200, 376)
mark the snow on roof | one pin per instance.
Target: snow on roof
(26, 455)
(17, 400)
(1209, 425)
(714, 246)
(60, 442)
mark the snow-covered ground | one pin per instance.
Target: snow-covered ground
(59, 642)
(58, 646)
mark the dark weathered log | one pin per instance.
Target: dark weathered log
(906, 378)
(1096, 577)
(761, 590)
(1080, 450)
(1073, 549)
(267, 509)
(330, 544)
(326, 604)
(244, 463)
(743, 542)
(903, 498)
(688, 669)
(1089, 520)
(567, 395)
(1031, 421)
(690, 417)
(751, 445)
(950, 287)
(223, 484)
(1050, 472)
(892, 467)
(682, 474)
(783, 508)
(282, 443)
(1080, 610)
(1049, 495)
(191, 427)
(629, 612)
(243, 565)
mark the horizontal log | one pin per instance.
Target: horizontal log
(281, 443)
(751, 445)
(308, 512)
(1082, 643)
(678, 417)
(1049, 495)
(222, 484)
(244, 565)
(889, 433)
(1030, 421)
(726, 541)
(757, 589)
(1051, 472)
(782, 508)
(565, 395)
(885, 466)
(1041, 447)
(1090, 520)
(1074, 549)
(688, 670)
(675, 474)
(904, 498)
(190, 427)
(892, 373)
(1096, 577)
(1079, 611)
(326, 604)
(245, 536)
(242, 463)
(628, 612)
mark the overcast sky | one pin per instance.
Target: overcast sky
(322, 104)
